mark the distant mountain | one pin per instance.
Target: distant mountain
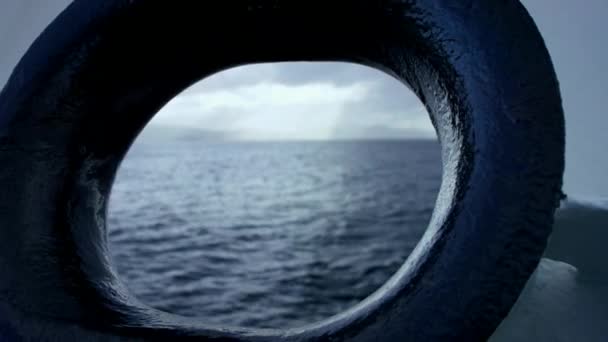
(161, 133)
(379, 132)
(156, 133)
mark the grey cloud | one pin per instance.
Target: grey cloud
(238, 77)
(222, 118)
(290, 74)
(372, 116)
(219, 118)
(385, 95)
(376, 115)
(339, 74)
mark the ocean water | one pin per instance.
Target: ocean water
(267, 234)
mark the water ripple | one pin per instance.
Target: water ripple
(268, 234)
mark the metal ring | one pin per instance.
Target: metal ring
(101, 70)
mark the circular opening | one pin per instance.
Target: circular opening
(274, 195)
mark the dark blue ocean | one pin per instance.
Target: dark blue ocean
(267, 234)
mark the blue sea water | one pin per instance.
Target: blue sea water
(267, 234)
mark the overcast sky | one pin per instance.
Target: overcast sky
(328, 100)
(301, 101)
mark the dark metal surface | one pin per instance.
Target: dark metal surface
(102, 69)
